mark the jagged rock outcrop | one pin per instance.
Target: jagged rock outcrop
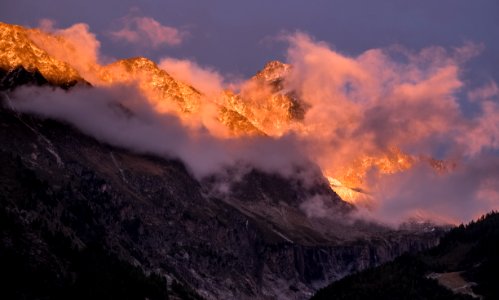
(18, 76)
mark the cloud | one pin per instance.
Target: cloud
(365, 106)
(315, 207)
(466, 193)
(487, 92)
(147, 32)
(206, 80)
(121, 116)
(361, 108)
(482, 132)
(75, 45)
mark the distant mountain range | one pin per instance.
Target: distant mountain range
(238, 112)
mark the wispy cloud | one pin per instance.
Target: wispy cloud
(75, 45)
(205, 79)
(145, 31)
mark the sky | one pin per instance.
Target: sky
(238, 37)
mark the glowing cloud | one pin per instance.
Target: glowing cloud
(147, 32)
(373, 121)
(75, 45)
(206, 80)
(365, 106)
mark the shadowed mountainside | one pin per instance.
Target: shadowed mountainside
(71, 202)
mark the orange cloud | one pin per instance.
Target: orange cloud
(208, 81)
(75, 45)
(146, 31)
(483, 132)
(363, 106)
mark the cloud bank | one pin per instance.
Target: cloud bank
(364, 107)
(120, 115)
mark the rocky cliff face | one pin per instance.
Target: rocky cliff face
(254, 241)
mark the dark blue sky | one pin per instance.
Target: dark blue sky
(238, 37)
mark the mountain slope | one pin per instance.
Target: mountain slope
(17, 49)
(465, 265)
(170, 94)
(152, 213)
(264, 101)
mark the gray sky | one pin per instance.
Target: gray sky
(238, 37)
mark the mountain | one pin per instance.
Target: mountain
(465, 265)
(245, 113)
(264, 101)
(18, 49)
(83, 219)
(60, 186)
(151, 78)
(165, 90)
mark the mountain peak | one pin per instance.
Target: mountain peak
(138, 63)
(18, 49)
(155, 82)
(24, 49)
(272, 71)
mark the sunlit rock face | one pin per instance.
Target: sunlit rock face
(171, 95)
(17, 49)
(265, 102)
(156, 83)
(262, 107)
